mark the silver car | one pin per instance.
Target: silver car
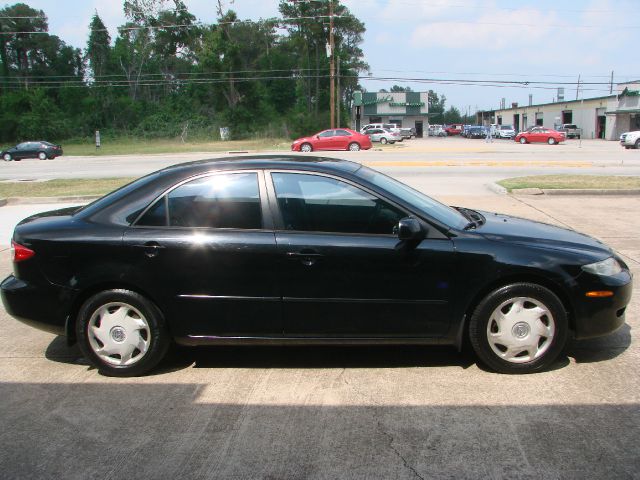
(383, 135)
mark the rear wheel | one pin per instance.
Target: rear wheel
(551, 141)
(523, 140)
(306, 147)
(638, 144)
(383, 141)
(519, 328)
(354, 147)
(42, 156)
(121, 333)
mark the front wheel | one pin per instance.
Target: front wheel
(121, 333)
(7, 157)
(551, 141)
(354, 147)
(306, 147)
(519, 328)
(523, 140)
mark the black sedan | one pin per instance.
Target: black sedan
(280, 250)
(42, 150)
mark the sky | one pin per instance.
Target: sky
(451, 41)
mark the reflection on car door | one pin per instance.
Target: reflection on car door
(342, 139)
(344, 272)
(204, 250)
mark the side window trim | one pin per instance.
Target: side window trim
(265, 207)
(277, 214)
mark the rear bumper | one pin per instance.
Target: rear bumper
(44, 308)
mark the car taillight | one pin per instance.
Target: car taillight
(20, 252)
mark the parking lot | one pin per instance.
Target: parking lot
(330, 412)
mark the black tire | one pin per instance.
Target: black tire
(42, 155)
(7, 157)
(638, 144)
(551, 141)
(354, 147)
(157, 336)
(306, 147)
(383, 141)
(551, 346)
(523, 140)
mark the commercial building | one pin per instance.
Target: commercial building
(405, 109)
(624, 114)
(601, 117)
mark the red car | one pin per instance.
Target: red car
(541, 134)
(334, 139)
(454, 129)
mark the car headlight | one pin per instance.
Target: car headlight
(605, 268)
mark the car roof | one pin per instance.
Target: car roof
(289, 162)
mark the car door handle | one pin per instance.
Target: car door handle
(306, 257)
(151, 249)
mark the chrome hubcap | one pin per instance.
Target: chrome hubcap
(520, 330)
(119, 334)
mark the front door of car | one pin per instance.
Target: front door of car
(325, 140)
(344, 273)
(21, 151)
(204, 252)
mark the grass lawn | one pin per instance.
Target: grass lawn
(62, 187)
(132, 146)
(572, 182)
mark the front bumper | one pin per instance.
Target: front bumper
(42, 307)
(596, 317)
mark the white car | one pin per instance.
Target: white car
(392, 127)
(630, 139)
(505, 131)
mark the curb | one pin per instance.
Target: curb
(37, 200)
(574, 191)
(495, 188)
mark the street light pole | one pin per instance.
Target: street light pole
(332, 73)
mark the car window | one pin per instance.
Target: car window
(342, 133)
(23, 146)
(328, 133)
(315, 203)
(230, 200)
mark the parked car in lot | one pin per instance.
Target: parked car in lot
(334, 139)
(630, 140)
(383, 135)
(455, 129)
(436, 131)
(476, 131)
(540, 134)
(570, 130)
(40, 149)
(505, 131)
(407, 132)
(278, 249)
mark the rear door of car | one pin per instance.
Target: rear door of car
(207, 250)
(342, 139)
(343, 271)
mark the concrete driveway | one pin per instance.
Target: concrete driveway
(386, 412)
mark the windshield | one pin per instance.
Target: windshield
(420, 201)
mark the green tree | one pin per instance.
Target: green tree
(98, 52)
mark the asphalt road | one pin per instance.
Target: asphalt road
(320, 413)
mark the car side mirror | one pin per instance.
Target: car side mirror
(410, 229)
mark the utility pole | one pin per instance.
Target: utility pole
(578, 87)
(338, 90)
(332, 73)
(611, 84)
